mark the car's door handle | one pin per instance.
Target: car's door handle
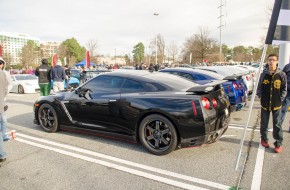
(112, 100)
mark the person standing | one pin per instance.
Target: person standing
(272, 90)
(10, 85)
(83, 75)
(3, 108)
(286, 102)
(44, 80)
(67, 76)
(57, 74)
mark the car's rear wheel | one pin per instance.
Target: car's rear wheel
(20, 89)
(157, 134)
(48, 118)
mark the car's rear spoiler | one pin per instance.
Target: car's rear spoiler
(206, 88)
(233, 77)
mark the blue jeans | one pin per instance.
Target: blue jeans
(277, 126)
(286, 104)
(2, 153)
(4, 126)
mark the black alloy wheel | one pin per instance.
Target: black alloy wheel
(158, 135)
(20, 89)
(48, 118)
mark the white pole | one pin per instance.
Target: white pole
(251, 105)
(156, 50)
(190, 57)
(284, 55)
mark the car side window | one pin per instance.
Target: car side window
(201, 77)
(187, 76)
(104, 83)
(132, 86)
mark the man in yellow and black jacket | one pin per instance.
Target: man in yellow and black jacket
(272, 89)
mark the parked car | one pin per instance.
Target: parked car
(247, 76)
(24, 83)
(160, 110)
(73, 83)
(90, 73)
(238, 83)
(233, 87)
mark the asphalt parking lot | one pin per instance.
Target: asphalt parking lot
(67, 160)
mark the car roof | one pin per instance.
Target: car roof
(173, 81)
(193, 71)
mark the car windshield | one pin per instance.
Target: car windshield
(25, 77)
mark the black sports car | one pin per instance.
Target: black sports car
(160, 110)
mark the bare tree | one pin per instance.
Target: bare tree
(199, 45)
(92, 47)
(172, 51)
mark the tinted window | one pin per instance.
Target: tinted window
(132, 86)
(203, 77)
(104, 83)
(187, 76)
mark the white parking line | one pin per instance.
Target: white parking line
(240, 128)
(115, 166)
(257, 177)
(133, 164)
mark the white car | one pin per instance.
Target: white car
(24, 83)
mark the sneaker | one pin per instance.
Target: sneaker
(265, 143)
(278, 149)
(2, 159)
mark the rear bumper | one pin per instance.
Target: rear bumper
(206, 139)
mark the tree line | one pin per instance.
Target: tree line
(196, 48)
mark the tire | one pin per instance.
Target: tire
(158, 135)
(20, 89)
(48, 119)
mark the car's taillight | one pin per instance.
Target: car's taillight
(247, 77)
(194, 108)
(235, 85)
(214, 102)
(205, 103)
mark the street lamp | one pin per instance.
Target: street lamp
(115, 56)
(156, 14)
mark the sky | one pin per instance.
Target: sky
(118, 25)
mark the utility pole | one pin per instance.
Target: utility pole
(221, 25)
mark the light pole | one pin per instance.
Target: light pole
(156, 14)
(115, 56)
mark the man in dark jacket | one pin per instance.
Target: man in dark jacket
(43, 73)
(286, 102)
(57, 74)
(272, 90)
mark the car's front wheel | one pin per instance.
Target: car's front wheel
(48, 118)
(157, 134)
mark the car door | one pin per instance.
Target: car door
(96, 103)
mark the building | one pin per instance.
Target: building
(48, 49)
(12, 44)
